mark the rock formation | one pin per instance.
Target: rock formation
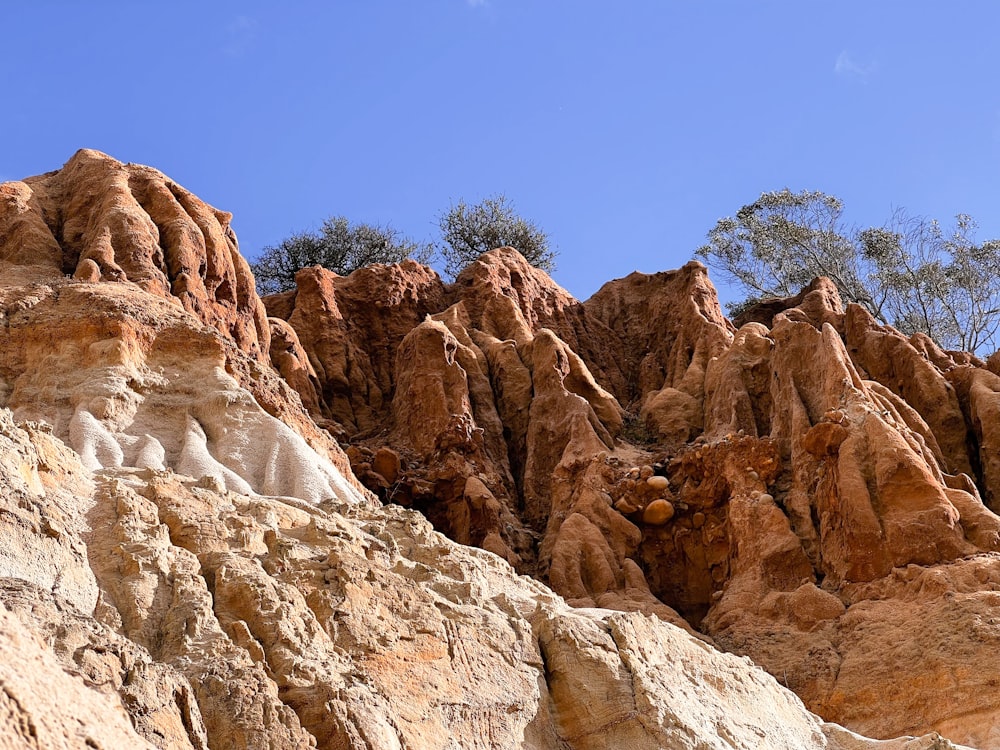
(749, 484)
(217, 619)
(220, 530)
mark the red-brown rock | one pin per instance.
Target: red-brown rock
(97, 218)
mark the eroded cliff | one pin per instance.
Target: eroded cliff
(782, 488)
(188, 559)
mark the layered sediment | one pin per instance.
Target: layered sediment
(222, 529)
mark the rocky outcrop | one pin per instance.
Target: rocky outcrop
(351, 328)
(189, 560)
(743, 483)
(860, 499)
(496, 417)
(171, 378)
(668, 325)
(44, 706)
(97, 218)
(215, 619)
(136, 381)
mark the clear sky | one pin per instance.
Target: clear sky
(624, 129)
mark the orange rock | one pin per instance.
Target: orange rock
(126, 222)
(626, 507)
(291, 361)
(658, 512)
(87, 270)
(182, 532)
(668, 326)
(386, 463)
(658, 483)
(824, 439)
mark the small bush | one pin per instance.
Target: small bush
(468, 231)
(339, 247)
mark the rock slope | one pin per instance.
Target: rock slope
(189, 561)
(783, 488)
(215, 619)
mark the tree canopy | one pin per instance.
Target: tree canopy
(910, 273)
(468, 231)
(338, 246)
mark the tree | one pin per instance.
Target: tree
(942, 283)
(469, 231)
(910, 273)
(338, 246)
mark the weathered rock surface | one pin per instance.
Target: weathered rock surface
(507, 436)
(187, 560)
(136, 381)
(810, 452)
(225, 620)
(43, 706)
(173, 378)
(97, 218)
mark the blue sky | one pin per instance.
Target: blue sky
(624, 129)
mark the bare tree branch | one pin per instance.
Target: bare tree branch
(908, 273)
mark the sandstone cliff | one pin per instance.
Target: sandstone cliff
(782, 488)
(188, 561)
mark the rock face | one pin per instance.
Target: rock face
(215, 619)
(97, 218)
(507, 435)
(173, 378)
(752, 484)
(188, 560)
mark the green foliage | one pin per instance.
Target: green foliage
(338, 246)
(468, 231)
(910, 273)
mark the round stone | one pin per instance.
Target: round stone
(658, 482)
(658, 512)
